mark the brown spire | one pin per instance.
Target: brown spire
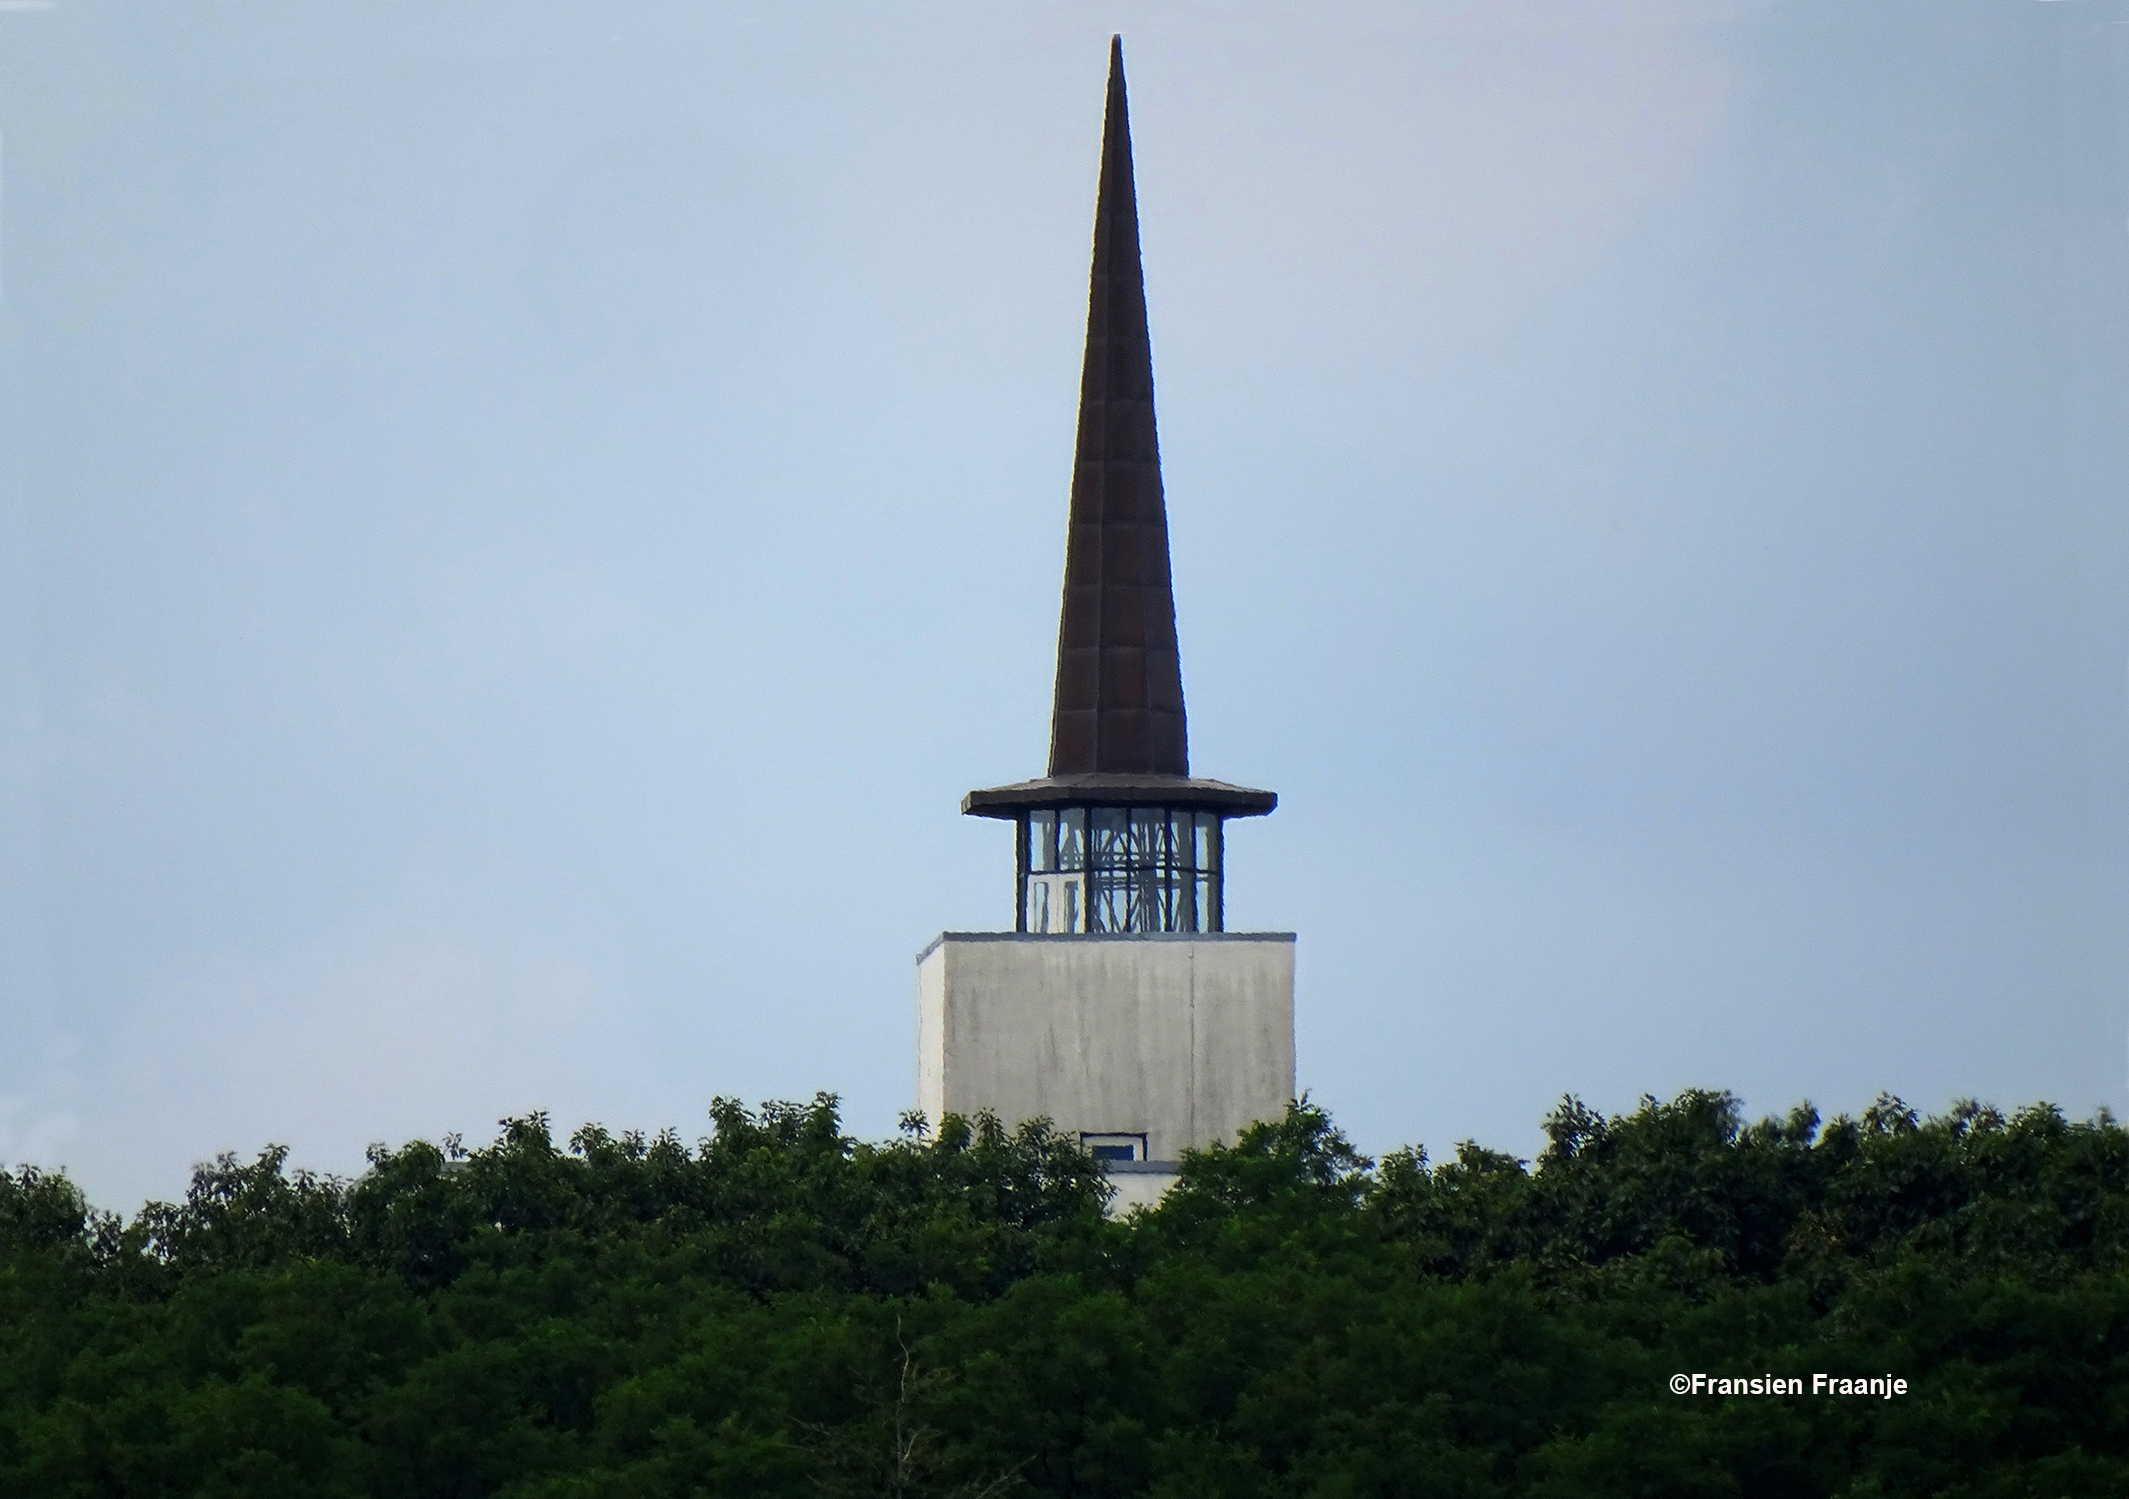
(1119, 678)
(1116, 737)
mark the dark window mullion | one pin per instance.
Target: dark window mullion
(1020, 883)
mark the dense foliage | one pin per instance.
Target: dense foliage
(783, 1310)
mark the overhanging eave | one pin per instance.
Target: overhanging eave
(1109, 789)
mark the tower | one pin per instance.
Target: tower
(1119, 1006)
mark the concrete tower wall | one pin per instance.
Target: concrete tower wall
(1182, 1038)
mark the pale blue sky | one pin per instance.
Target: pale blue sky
(518, 523)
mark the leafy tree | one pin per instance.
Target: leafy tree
(779, 1309)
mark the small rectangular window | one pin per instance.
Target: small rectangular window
(1042, 842)
(1110, 1147)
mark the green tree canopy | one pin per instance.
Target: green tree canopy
(780, 1309)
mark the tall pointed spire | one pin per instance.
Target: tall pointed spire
(1117, 738)
(1119, 706)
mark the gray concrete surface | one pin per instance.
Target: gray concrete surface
(1181, 1038)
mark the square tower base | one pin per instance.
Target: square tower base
(1153, 1043)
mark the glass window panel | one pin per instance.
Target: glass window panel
(1109, 903)
(1146, 869)
(1147, 826)
(1053, 902)
(1072, 838)
(1208, 851)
